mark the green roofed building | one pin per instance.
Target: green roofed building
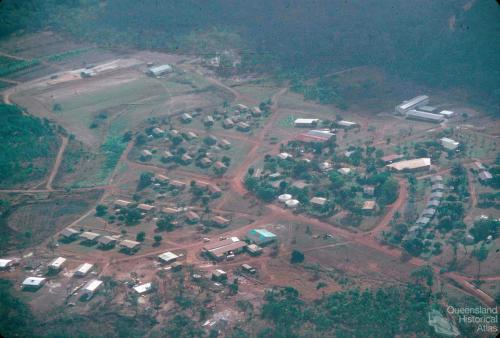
(261, 236)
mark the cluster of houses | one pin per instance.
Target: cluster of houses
(177, 213)
(437, 194)
(240, 119)
(191, 151)
(417, 108)
(89, 238)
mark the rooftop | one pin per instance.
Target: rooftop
(411, 164)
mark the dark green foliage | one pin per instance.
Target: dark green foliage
(23, 140)
(386, 312)
(16, 319)
(296, 257)
(145, 180)
(388, 192)
(182, 326)
(9, 66)
(296, 39)
(485, 227)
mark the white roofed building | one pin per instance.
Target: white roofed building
(83, 270)
(160, 70)
(306, 122)
(449, 144)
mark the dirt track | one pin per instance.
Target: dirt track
(57, 163)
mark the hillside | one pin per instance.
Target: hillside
(431, 42)
(27, 146)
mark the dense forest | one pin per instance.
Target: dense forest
(24, 139)
(443, 44)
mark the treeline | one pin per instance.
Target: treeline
(24, 139)
(446, 44)
(385, 312)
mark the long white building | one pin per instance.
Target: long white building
(418, 101)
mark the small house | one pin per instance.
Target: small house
(192, 217)
(254, 249)
(90, 289)
(33, 283)
(57, 264)
(6, 263)
(368, 206)
(220, 166)
(205, 162)
(107, 242)
(178, 184)
(162, 179)
(449, 144)
(485, 176)
(186, 159)
(256, 112)
(242, 126)
(145, 207)
(208, 121)
(83, 270)
(344, 171)
(122, 203)
(225, 144)
(158, 132)
(369, 190)
(284, 156)
(69, 234)
(319, 201)
(143, 289)
(228, 123)
(186, 118)
(129, 246)
(248, 268)
(437, 187)
(220, 221)
(219, 276)
(89, 237)
(167, 257)
(146, 155)
(437, 195)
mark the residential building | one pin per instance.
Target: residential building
(33, 283)
(219, 276)
(254, 249)
(89, 237)
(143, 289)
(90, 289)
(192, 217)
(129, 246)
(449, 144)
(107, 242)
(57, 264)
(83, 270)
(69, 234)
(168, 257)
(318, 201)
(220, 221)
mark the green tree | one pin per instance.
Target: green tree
(140, 236)
(296, 257)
